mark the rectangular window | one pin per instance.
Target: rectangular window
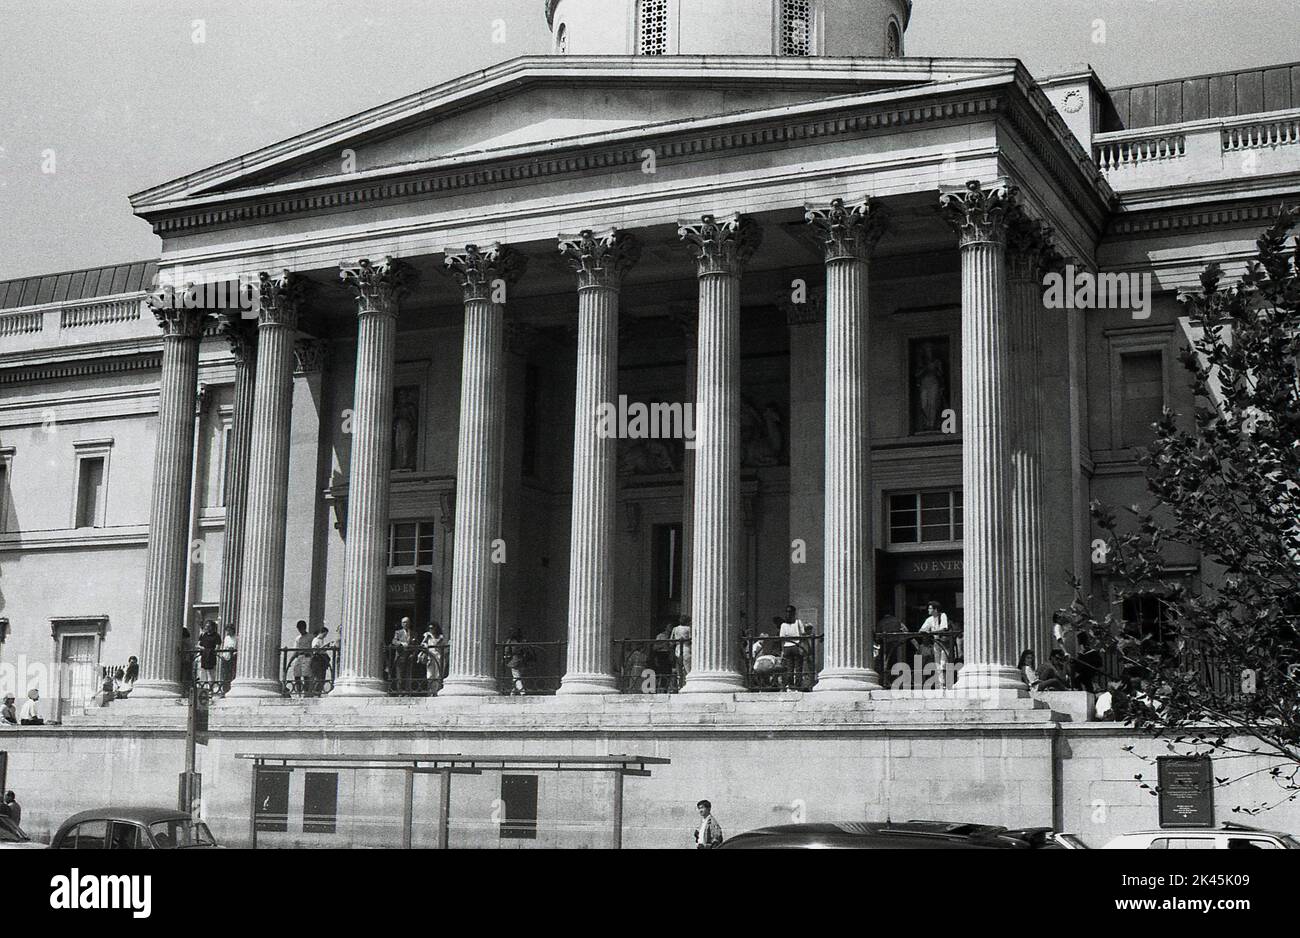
(796, 27)
(88, 835)
(90, 492)
(519, 807)
(652, 27)
(4, 496)
(1143, 380)
(78, 645)
(411, 544)
(926, 517)
(224, 464)
(320, 803)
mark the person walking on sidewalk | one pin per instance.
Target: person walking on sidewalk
(708, 835)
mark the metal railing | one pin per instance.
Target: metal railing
(777, 663)
(651, 665)
(526, 667)
(416, 670)
(213, 681)
(1211, 673)
(919, 660)
(308, 672)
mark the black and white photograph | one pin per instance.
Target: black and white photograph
(649, 425)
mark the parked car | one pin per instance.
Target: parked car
(131, 829)
(13, 838)
(1228, 837)
(1045, 838)
(895, 835)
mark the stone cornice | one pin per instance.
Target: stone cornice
(983, 98)
(476, 87)
(1172, 220)
(80, 368)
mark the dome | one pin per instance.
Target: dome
(867, 28)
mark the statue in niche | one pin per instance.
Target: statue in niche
(930, 372)
(762, 434)
(406, 427)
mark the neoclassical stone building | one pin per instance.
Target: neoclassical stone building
(830, 253)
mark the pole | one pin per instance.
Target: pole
(252, 808)
(444, 809)
(408, 807)
(618, 808)
(187, 787)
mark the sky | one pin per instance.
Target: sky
(103, 98)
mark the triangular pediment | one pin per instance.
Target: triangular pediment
(545, 103)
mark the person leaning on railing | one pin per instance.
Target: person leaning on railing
(431, 655)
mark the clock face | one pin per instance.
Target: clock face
(1073, 102)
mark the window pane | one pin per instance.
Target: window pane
(91, 835)
(90, 485)
(1144, 395)
(427, 530)
(404, 545)
(125, 836)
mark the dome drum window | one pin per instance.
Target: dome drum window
(652, 27)
(796, 27)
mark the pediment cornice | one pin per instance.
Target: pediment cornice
(1008, 95)
(512, 77)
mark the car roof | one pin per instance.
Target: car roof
(937, 829)
(135, 815)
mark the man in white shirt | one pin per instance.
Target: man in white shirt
(708, 835)
(794, 650)
(30, 714)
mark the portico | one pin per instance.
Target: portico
(755, 205)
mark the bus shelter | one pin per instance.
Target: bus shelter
(445, 766)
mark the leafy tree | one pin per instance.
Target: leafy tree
(1220, 670)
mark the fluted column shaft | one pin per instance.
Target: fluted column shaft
(243, 342)
(849, 234)
(169, 507)
(721, 250)
(1028, 246)
(261, 603)
(484, 277)
(599, 262)
(378, 288)
(990, 652)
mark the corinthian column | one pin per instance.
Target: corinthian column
(379, 289)
(242, 334)
(721, 250)
(1028, 253)
(849, 235)
(484, 276)
(261, 603)
(600, 262)
(169, 506)
(979, 217)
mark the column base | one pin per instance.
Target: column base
(975, 676)
(359, 687)
(593, 683)
(469, 687)
(253, 688)
(156, 690)
(713, 682)
(848, 679)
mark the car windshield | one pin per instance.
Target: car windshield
(1289, 842)
(181, 832)
(1072, 840)
(10, 834)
